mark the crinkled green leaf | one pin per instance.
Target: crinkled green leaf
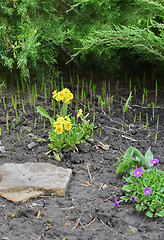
(149, 214)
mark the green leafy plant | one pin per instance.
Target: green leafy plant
(145, 183)
(18, 119)
(66, 130)
(146, 190)
(134, 158)
(49, 220)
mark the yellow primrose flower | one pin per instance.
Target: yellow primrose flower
(70, 96)
(68, 119)
(67, 125)
(54, 94)
(61, 95)
(60, 119)
(57, 123)
(59, 130)
(58, 98)
(66, 101)
(80, 112)
(66, 91)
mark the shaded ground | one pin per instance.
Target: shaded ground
(88, 211)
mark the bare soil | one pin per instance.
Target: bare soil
(88, 210)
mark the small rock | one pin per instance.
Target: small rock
(104, 186)
(31, 145)
(2, 149)
(19, 182)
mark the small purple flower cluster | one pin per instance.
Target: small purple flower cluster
(137, 173)
(147, 191)
(154, 161)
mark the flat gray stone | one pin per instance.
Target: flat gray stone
(19, 182)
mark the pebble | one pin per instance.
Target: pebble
(31, 145)
(2, 149)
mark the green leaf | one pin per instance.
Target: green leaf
(162, 189)
(138, 207)
(148, 155)
(149, 214)
(160, 213)
(126, 188)
(156, 186)
(123, 167)
(129, 152)
(146, 182)
(57, 156)
(91, 126)
(44, 113)
(79, 136)
(152, 207)
(124, 198)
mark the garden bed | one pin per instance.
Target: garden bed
(88, 211)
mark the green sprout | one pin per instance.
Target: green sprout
(153, 107)
(140, 116)
(143, 99)
(7, 120)
(18, 137)
(23, 108)
(147, 120)
(18, 90)
(126, 106)
(134, 118)
(4, 103)
(146, 91)
(157, 129)
(2, 86)
(23, 85)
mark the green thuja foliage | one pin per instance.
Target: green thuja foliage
(131, 29)
(37, 34)
(31, 35)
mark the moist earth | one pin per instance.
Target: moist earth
(88, 211)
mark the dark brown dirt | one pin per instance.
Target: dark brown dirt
(88, 211)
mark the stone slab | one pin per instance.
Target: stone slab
(19, 182)
(21, 196)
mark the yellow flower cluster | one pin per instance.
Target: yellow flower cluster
(61, 124)
(65, 95)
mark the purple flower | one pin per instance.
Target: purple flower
(116, 202)
(143, 202)
(137, 172)
(147, 191)
(134, 182)
(133, 198)
(154, 161)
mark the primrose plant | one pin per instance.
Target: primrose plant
(134, 158)
(66, 130)
(145, 187)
